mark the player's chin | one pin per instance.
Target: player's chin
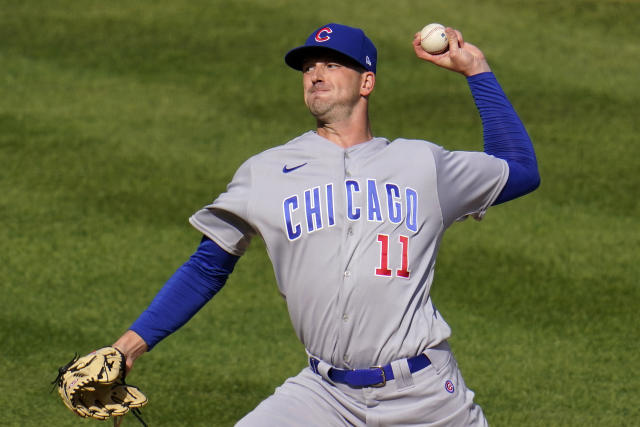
(322, 115)
(318, 106)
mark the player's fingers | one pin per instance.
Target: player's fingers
(129, 365)
(457, 53)
(416, 43)
(454, 42)
(460, 38)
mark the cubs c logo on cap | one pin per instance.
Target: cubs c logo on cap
(320, 38)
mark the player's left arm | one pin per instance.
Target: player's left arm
(182, 296)
(504, 134)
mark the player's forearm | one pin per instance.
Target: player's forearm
(505, 136)
(185, 293)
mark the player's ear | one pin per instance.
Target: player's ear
(368, 82)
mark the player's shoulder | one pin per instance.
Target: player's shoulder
(418, 145)
(301, 148)
(292, 145)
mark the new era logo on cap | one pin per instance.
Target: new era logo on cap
(349, 41)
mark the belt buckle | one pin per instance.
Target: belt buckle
(384, 377)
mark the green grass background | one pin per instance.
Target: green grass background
(118, 119)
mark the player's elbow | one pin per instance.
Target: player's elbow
(531, 179)
(523, 179)
(535, 181)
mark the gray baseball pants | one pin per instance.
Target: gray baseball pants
(434, 396)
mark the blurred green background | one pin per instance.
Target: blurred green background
(120, 119)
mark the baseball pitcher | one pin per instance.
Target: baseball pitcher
(352, 223)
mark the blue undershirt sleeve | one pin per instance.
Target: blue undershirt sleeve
(186, 292)
(505, 136)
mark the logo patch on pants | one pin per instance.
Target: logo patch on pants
(449, 386)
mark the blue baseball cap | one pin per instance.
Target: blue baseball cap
(349, 41)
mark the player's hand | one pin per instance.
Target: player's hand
(461, 57)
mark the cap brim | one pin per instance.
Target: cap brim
(295, 57)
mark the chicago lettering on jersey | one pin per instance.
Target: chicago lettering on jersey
(314, 209)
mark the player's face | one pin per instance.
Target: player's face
(332, 87)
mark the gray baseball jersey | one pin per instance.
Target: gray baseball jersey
(353, 236)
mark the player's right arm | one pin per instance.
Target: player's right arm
(505, 137)
(183, 295)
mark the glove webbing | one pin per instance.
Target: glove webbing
(61, 371)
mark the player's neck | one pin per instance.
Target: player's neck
(346, 133)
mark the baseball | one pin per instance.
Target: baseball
(433, 39)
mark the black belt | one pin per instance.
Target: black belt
(376, 376)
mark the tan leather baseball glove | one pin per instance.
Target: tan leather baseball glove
(94, 386)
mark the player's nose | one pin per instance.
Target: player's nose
(317, 73)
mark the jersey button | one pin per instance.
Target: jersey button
(347, 273)
(345, 317)
(350, 231)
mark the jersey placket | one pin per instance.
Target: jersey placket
(345, 313)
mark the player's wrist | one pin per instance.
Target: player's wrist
(478, 67)
(131, 345)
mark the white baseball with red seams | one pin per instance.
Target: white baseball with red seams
(433, 39)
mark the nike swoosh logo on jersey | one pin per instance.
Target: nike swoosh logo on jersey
(285, 169)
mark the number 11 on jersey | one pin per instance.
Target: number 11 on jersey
(383, 269)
